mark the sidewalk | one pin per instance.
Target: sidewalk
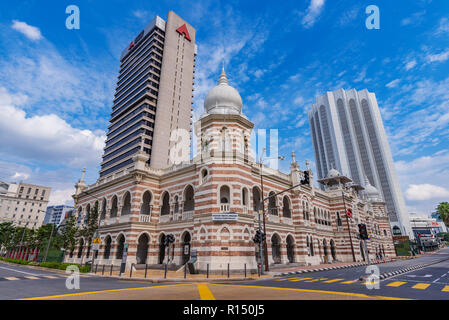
(157, 276)
(323, 267)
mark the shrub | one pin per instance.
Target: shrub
(51, 265)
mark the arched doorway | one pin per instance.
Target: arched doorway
(162, 249)
(107, 247)
(290, 249)
(186, 248)
(333, 253)
(142, 249)
(362, 252)
(325, 253)
(276, 248)
(120, 247)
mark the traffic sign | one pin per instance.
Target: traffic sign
(96, 241)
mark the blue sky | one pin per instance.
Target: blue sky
(57, 85)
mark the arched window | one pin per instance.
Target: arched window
(257, 199)
(107, 247)
(225, 195)
(114, 207)
(189, 201)
(165, 209)
(286, 212)
(87, 214)
(339, 220)
(103, 209)
(272, 206)
(396, 231)
(80, 249)
(126, 204)
(311, 246)
(176, 204)
(307, 211)
(120, 247)
(245, 197)
(145, 209)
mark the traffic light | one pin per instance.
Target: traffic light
(363, 232)
(170, 238)
(306, 178)
(259, 237)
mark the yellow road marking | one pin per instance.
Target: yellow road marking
(313, 291)
(205, 293)
(300, 279)
(348, 282)
(396, 284)
(333, 280)
(103, 291)
(316, 280)
(445, 289)
(11, 278)
(31, 277)
(421, 286)
(281, 279)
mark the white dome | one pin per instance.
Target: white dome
(333, 173)
(371, 192)
(223, 99)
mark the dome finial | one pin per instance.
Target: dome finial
(223, 79)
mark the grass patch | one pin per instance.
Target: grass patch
(51, 265)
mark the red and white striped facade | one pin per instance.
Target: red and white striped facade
(302, 225)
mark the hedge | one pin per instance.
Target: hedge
(51, 265)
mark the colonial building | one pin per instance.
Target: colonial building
(210, 205)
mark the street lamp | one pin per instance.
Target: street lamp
(265, 249)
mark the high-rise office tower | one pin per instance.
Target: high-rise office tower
(153, 95)
(348, 135)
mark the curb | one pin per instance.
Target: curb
(159, 280)
(390, 274)
(323, 269)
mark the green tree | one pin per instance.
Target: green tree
(443, 212)
(7, 231)
(91, 224)
(69, 232)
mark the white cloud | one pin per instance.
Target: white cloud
(299, 100)
(415, 18)
(61, 197)
(393, 83)
(312, 13)
(349, 16)
(443, 26)
(30, 32)
(46, 138)
(20, 176)
(439, 57)
(426, 192)
(410, 65)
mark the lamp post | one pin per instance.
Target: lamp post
(349, 227)
(265, 249)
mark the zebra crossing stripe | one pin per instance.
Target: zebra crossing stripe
(421, 286)
(396, 284)
(11, 278)
(445, 289)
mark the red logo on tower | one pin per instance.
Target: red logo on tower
(183, 30)
(349, 213)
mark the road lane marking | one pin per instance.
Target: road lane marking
(445, 289)
(333, 280)
(348, 282)
(31, 277)
(102, 291)
(50, 277)
(31, 274)
(11, 278)
(421, 286)
(316, 280)
(396, 284)
(205, 293)
(313, 291)
(300, 279)
(281, 279)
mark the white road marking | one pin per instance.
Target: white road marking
(29, 273)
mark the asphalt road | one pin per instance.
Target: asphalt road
(19, 282)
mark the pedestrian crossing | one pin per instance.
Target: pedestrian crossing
(40, 277)
(393, 284)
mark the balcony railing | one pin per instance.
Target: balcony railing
(287, 221)
(273, 218)
(274, 211)
(224, 207)
(165, 218)
(187, 215)
(245, 209)
(144, 218)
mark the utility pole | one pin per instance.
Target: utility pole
(261, 253)
(349, 226)
(48, 245)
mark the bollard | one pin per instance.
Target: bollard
(131, 270)
(102, 272)
(207, 272)
(96, 267)
(185, 271)
(228, 270)
(146, 268)
(165, 273)
(111, 269)
(245, 270)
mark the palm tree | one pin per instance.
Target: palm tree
(443, 212)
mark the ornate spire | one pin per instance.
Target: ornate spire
(293, 157)
(223, 79)
(82, 176)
